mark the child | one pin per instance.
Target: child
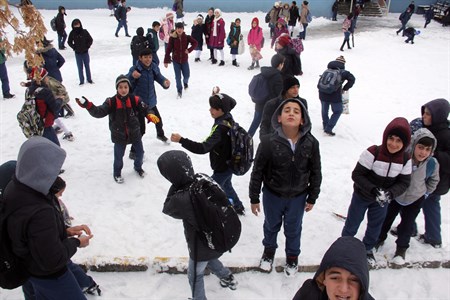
(233, 39)
(218, 144)
(80, 41)
(422, 184)
(288, 162)
(123, 110)
(410, 33)
(429, 15)
(176, 166)
(255, 40)
(152, 36)
(198, 30)
(279, 30)
(381, 174)
(138, 43)
(346, 28)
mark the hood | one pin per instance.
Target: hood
(77, 21)
(354, 261)
(419, 134)
(7, 171)
(400, 127)
(439, 109)
(39, 163)
(305, 128)
(255, 19)
(44, 49)
(269, 72)
(60, 8)
(176, 167)
(140, 31)
(336, 65)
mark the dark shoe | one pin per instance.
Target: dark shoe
(127, 35)
(229, 282)
(422, 239)
(93, 289)
(140, 172)
(132, 155)
(116, 35)
(90, 81)
(349, 48)
(81, 83)
(197, 59)
(252, 66)
(400, 252)
(235, 63)
(119, 179)
(62, 48)
(163, 139)
(68, 137)
(257, 64)
(341, 49)
(330, 133)
(291, 267)
(214, 61)
(240, 210)
(179, 95)
(8, 96)
(186, 86)
(266, 261)
(222, 63)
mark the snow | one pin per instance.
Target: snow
(392, 79)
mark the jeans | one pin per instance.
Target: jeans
(214, 265)
(302, 34)
(289, 212)
(4, 79)
(334, 17)
(119, 151)
(62, 39)
(432, 213)
(181, 69)
(327, 122)
(224, 180)
(122, 23)
(355, 215)
(257, 117)
(50, 133)
(402, 28)
(83, 59)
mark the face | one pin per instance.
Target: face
(280, 25)
(394, 144)
(216, 14)
(238, 23)
(341, 284)
(123, 89)
(146, 60)
(180, 31)
(421, 152)
(254, 24)
(292, 92)
(76, 25)
(59, 194)
(278, 46)
(291, 115)
(210, 12)
(156, 28)
(426, 117)
(215, 113)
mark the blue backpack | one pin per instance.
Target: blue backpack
(258, 89)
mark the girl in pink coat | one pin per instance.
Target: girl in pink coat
(217, 36)
(254, 40)
(167, 26)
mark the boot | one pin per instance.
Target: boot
(235, 63)
(222, 63)
(257, 64)
(252, 66)
(348, 44)
(214, 61)
(342, 46)
(400, 252)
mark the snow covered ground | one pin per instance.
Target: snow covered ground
(392, 79)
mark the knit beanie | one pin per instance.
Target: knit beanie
(289, 82)
(223, 102)
(276, 60)
(341, 59)
(41, 71)
(140, 31)
(122, 78)
(284, 40)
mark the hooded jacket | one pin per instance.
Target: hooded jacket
(178, 45)
(274, 80)
(285, 172)
(79, 39)
(35, 224)
(60, 23)
(420, 185)
(53, 61)
(336, 97)
(339, 256)
(47, 105)
(176, 167)
(255, 35)
(377, 168)
(292, 63)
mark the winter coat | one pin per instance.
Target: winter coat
(35, 226)
(53, 61)
(339, 256)
(152, 36)
(60, 23)
(235, 32)
(336, 97)
(420, 185)
(176, 167)
(293, 15)
(334, 8)
(218, 144)
(197, 33)
(7, 171)
(377, 168)
(287, 173)
(144, 86)
(275, 82)
(274, 15)
(268, 111)
(346, 25)
(208, 28)
(177, 46)
(124, 121)
(122, 13)
(217, 33)
(284, 13)
(167, 26)
(180, 7)
(58, 89)
(79, 39)
(47, 105)
(277, 32)
(304, 11)
(409, 32)
(291, 65)
(439, 109)
(405, 16)
(255, 35)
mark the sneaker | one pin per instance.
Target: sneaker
(127, 35)
(214, 61)
(179, 95)
(266, 261)
(291, 267)
(422, 239)
(330, 133)
(372, 262)
(91, 82)
(240, 210)
(197, 60)
(132, 155)
(81, 83)
(140, 172)
(116, 35)
(58, 130)
(93, 289)
(68, 136)
(62, 48)
(222, 63)
(229, 282)
(8, 96)
(119, 179)
(163, 139)
(186, 86)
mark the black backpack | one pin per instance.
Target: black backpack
(241, 149)
(140, 116)
(219, 227)
(258, 89)
(53, 23)
(138, 44)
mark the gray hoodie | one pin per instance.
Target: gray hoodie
(419, 185)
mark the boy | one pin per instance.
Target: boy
(410, 33)
(218, 144)
(124, 123)
(80, 41)
(152, 36)
(176, 166)
(342, 274)
(288, 162)
(122, 11)
(381, 174)
(422, 184)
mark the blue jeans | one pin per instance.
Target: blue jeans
(224, 180)
(62, 39)
(50, 133)
(119, 151)
(63, 287)
(288, 212)
(214, 265)
(4, 79)
(257, 116)
(327, 122)
(334, 17)
(83, 59)
(122, 23)
(181, 69)
(302, 34)
(432, 213)
(375, 219)
(402, 28)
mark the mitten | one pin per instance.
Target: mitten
(382, 196)
(83, 102)
(152, 118)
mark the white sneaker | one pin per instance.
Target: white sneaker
(290, 270)
(119, 179)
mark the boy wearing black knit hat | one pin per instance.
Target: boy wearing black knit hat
(218, 144)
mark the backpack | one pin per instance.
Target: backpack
(308, 17)
(138, 44)
(267, 17)
(241, 149)
(258, 89)
(53, 23)
(219, 227)
(161, 34)
(297, 45)
(330, 81)
(29, 119)
(174, 7)
(140, 116)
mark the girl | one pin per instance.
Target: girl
(255, 40)
(233, 39)
(198, 29)
(217, 36)
(346, 29)
(279, 30)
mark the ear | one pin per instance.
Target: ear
(279, 118)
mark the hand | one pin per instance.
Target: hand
(308, 207)
(215, 90)
(136, 74)
(166, 83)
(83, 102)
(382, 196)
(165, 65)
(78, 230)
(256, 209)
(152, 118)
(186, 51)
(84, 240)
(175, 137)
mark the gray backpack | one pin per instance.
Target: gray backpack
(330, 81)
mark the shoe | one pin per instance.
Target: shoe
(349, 48)
(257, 64)
(240, 210)
(379, 244)
(8, 96)
(116, 35)
(127, 35)
(132, 155)
(163, 139)
(412, 42)
(234, 63)
(266, 261)
(291, 267)
(197, 60)
(186, 86)
(81, 83)
(90, 81)
(140, 172)
(62, 48)
(119, 179)
(371, 260)
(422, 239)
(222, 63)
(214, 61)
(68, 136)
(179, 95)
(229, 282)
(400, 252)
(93, 289)
(251, 67)
(330, 133)
(58, 130)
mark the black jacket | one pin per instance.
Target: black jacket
(275, 82)
(60, 23)
(346, 76)
(292, 64)
(79, 39)
(293, 15)
(235, 32)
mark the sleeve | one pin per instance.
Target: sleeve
(70, 40)
(360, 174)
(133, 81)
(315, 177)
(89, 39)
(53, 104)
(142, 107)
(60, 60)
(167, 59)
(402, 181)
(193, 43)
(350, 80)
(266, 120)
(442, 154)
(259, 166)
(159, 78)
(100, 111)
(201, 148)
(433, 180)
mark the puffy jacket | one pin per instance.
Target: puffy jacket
(60, 23)
(285, 172)
(291, 63)
(53, 61)
(255, 35)
(79, 39)
(235, 32)
(177, 46)
(293, 15)
(336, 97)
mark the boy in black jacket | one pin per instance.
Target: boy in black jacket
(80, 41)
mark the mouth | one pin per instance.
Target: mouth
(342, 297)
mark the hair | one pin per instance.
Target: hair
(286, 102)
(145, 52)
(237, 19)
(426, 141)
(156, 23)
(58, 185)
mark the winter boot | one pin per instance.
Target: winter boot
(235, 63)
(401, 252)
(257, 64)
(229, 282)
(266, 261)
(197, 59)
(252, 66)
(222, 63)
(214, 61)
(119, 179)
(348, 44)
(342, 46)
(140, 172)
(291, 267)
(93, 289)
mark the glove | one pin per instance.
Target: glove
(382, 196)
(83, 102)
(152, 118)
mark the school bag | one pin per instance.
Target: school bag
(161, 34)
(138, 44)
(140, 116)
(53, 23)
(29, 119)
(308, 17)
(330, 81)
(258, 89)
(267, 17)
(219, 227)
(241, 149)
(297, 45)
